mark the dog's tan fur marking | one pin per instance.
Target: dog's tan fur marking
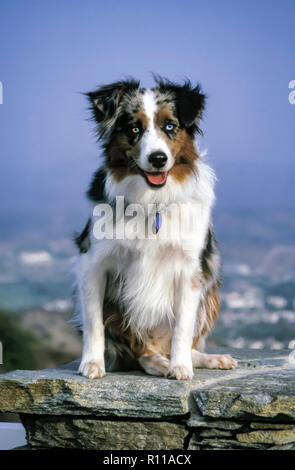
(185, 155)
(117, 161)
(142, 117)
(181, 145)
(163, 115)
(157, 341)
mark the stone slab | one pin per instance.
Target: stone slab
(96, 434)
(263, 386)
(267, 394)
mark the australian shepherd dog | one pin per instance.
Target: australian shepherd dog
(147, 288)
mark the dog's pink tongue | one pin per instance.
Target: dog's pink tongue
(157, 178)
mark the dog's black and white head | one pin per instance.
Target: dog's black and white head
(148, 137)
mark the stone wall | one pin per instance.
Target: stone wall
(250, 407)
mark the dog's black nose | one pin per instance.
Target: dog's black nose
(158, 159)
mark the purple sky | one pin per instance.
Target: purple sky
(242, 52)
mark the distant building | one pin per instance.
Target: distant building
(60, 305)
(237, 269)
(35, 257)
(276, 302)
(250, 299)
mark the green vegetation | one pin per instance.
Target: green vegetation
(20, 347)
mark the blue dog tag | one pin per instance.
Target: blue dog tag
(158, 221)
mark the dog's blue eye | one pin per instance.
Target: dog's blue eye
(169, 127)
(135, 130)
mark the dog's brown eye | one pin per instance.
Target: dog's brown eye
(135, 130)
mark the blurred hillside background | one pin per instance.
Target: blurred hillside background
(242, 52)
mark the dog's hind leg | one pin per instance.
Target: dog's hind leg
(207, 316)
(126, 351)
(154, 364)
(212, 361)
(153, 354)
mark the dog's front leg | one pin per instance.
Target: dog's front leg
(92, 283)
(181, 367)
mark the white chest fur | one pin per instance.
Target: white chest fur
(146, 274)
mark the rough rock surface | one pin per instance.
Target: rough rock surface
(250, 407)
(92, 433)
(62, 391)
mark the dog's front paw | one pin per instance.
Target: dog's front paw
(92, 369)
(181, 372)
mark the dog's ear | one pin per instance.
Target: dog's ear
(105, 100)
(190, 102)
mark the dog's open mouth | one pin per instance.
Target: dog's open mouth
(156, 180)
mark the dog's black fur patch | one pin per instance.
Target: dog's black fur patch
(82, 240)
(190, 102)
(104, 101)
(211, 249)
(95, 192)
